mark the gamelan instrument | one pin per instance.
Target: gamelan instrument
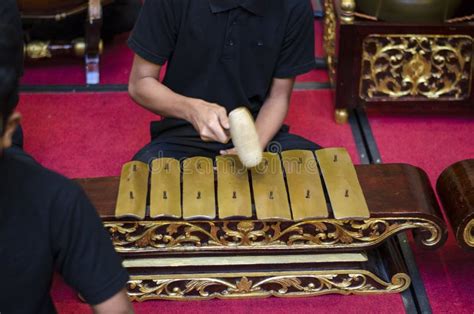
(456, 191)
(90, 47)
(299, 224)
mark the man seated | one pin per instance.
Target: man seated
(47, 223)
(220, 55)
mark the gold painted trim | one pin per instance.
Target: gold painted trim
(341, 116)
(415, 71)
(329, 39)
(188, 287)
(245, 260)
(469, 233)
(328, 234)
(348, 11)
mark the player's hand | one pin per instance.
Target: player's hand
(211, 121)
(231, 151)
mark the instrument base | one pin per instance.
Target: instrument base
(383, 271)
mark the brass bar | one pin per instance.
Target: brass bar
(269, 190)
(245, 260)
(133, 190)
(198, 189)
(233, 188)
(304, 185)
(345, 192)
(165, 190)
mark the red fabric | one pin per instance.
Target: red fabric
(434, 143)
(318, 32)
(116, 63)
(94, 134)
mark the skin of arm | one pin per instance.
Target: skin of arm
(273, 112)
(209, 119)
(118, 304)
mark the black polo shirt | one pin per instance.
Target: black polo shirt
(47, 222)
(226, 51)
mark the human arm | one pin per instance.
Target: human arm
(209, 119)
(153, 40)
(296, 57)
(118, 304)
(274, 110)
(83, 253)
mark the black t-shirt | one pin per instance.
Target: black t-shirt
(47, 223)
(226, 51)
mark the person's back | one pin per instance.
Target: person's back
(46, 222)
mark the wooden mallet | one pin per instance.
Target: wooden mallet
(245, 138)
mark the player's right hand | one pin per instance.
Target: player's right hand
(211, 121)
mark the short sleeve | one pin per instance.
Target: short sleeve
(83, 252)
(154, 35)
(297, 52)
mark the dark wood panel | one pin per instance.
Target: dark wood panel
(455, 188)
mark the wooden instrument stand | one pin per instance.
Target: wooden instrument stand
(398, 68)
(176, 258)
(456, 191)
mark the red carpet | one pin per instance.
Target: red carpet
(433, 144)
(87, 135)
(115, 66)
(92, 135)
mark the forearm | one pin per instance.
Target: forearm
(156, 97)
(270, 118)
(119, 304)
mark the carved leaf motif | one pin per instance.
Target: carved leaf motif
(244, 285)
(185, 289)
(288, 282)
(145, 240)
(153, 236)
(201, 285)
(172, 229)
(420, 66)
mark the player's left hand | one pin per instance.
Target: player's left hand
(231, 151)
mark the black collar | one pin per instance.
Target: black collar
(257, 7)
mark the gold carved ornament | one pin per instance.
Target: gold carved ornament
(469, 233)
(232, 286)
(329, 38)
(155, 236)
(37, 50)
(347, 11)
(416, 67)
